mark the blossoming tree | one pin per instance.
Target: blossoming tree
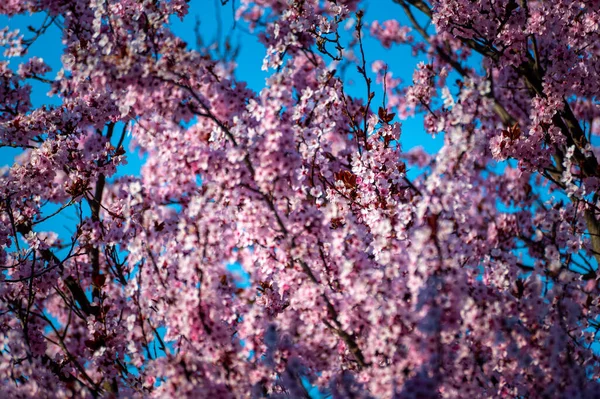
(477, 278)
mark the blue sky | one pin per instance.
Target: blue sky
(399, 58)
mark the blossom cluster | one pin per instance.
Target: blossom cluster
(477, 278)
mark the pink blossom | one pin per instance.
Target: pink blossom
(287, 239)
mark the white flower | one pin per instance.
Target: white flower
(135, 188)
